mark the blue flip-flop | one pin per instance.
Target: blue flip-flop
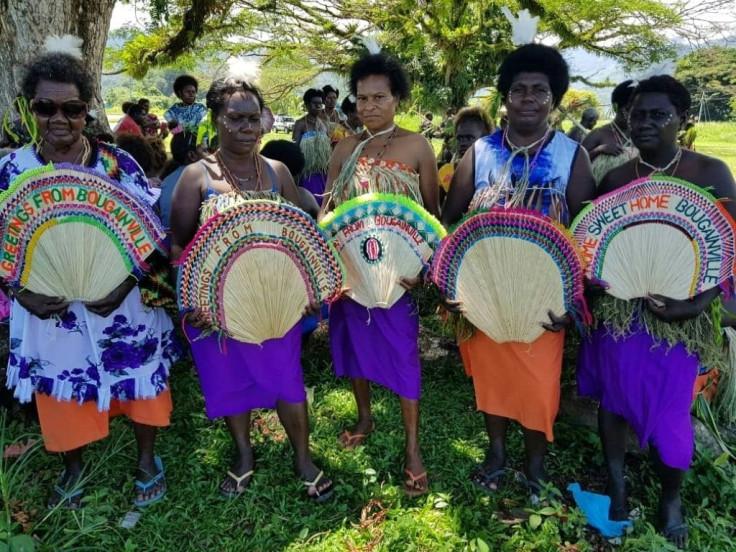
(67, 498)
(150, 483)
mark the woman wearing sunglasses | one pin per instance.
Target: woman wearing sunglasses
(52, 340)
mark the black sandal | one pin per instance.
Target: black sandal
(319, 496)
(483, 479)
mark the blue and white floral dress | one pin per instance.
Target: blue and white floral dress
(83, 356)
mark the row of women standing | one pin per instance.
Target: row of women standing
(526, 165)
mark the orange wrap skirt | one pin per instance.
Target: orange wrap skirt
(520, 381)
(68, 425)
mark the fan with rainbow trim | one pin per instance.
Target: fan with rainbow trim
(510, 267)
(382, 238)
(657, 235)
(73, 233)
(254, 267)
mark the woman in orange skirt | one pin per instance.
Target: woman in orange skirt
(521, 381)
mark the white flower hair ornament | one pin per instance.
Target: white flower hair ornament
(371, 44)
(523, 26)
(248, 72)
(66, 44)
(244, 70)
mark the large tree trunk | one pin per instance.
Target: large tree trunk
(25, 24)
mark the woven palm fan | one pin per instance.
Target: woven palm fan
(69, 232)
(254, 267)
(657, 235)
(509, 268)
(381, 238)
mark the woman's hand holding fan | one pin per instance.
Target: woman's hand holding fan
(197, 319)
(675, 310)
(40, 305)
(557, 323)
(410, 283)
(105, 306)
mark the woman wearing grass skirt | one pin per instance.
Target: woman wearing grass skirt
(526, 165)
(609, 145)
(643, 371)
(238, 377)
(380, 345)
(86, 362)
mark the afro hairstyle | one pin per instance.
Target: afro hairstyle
(182, 81)
(381, 64)
(535, 58)
(57, 67)
(670, 86)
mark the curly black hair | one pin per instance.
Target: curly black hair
(535, 58)
(670, 86)
(57, 67)
(182, 81)
(221, 89)
(467, 114)
(286, 151)
(348, 106)
(621, 95)
(381, 64)
(138, 148)
(312, 93)
(329, 88)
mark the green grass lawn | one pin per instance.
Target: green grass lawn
(369, 511)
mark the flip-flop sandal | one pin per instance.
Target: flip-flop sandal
(416, 485)
(351, 441)
(238, 482)
(159, 477)
(535, 492)
(67, 498)
(483, 479)
(319, 496)
(669, 532)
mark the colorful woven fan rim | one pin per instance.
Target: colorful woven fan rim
(697, 195)
(354, 209)
(15, 203)
(525, 224)
(264, 211)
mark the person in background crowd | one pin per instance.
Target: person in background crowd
(332, 113)
(311, 134)
(152, 126)
(686, 138)
(426, 129)
(187, 113)
(470, 124)
(588, 120)
(609, 145)
(290, 155)
(132, 121)
(352, 121)
(183, 152)
(446, 132)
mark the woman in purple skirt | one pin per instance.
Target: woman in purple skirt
(380, 345)
(239, 377)
(643, 374)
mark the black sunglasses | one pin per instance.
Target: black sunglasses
(71, 109)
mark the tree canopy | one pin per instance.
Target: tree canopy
(451, 48)
(710, 75)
